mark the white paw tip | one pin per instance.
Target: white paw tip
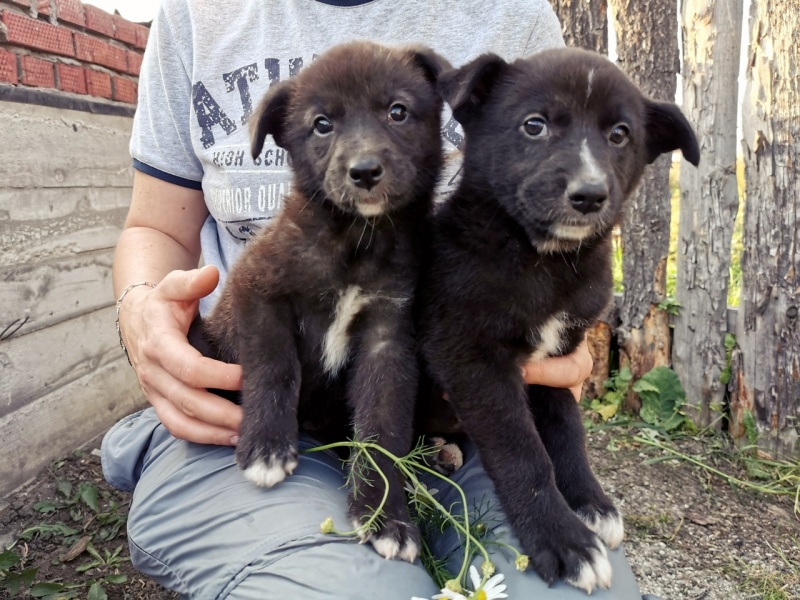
(385, 546)
(409, 551)
(608, 528)
(593, 573)
(267, 474)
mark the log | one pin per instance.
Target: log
(709, 201)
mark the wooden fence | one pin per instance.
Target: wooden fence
(765, 363)
(68, 77)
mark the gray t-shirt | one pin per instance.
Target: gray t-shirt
(208, 63)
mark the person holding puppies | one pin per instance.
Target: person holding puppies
(195, 525)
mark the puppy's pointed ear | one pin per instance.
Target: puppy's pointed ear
(269, 117)
(466, 89)
(431, 63)
(668, 130)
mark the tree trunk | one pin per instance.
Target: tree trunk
(583, 23)
(647, 44)
(709, 200)
(768, 327)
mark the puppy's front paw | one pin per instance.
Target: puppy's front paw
(394, 539)
(263, 467)
(562, 546)
(606, 523)
(592, 571)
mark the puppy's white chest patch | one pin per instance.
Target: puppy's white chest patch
(551, 337)
(336, 345)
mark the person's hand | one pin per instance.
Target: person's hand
(568, 371)
(173, 375)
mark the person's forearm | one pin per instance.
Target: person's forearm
(145, 254)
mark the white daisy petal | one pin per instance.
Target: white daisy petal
(494, 581)
(449, 595)
(475, 577)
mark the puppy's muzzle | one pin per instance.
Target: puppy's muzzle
(365, 172)
(587, 196)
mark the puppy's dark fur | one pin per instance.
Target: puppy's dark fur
(317, 309)
(520, 267)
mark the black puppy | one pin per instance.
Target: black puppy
(520, 268)
(318, 307)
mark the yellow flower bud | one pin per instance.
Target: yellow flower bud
(522, 562)
(453, 586)
(487, 568)
(327, 526)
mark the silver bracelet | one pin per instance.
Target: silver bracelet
(119, 304)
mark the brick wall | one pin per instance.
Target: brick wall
(71, 48)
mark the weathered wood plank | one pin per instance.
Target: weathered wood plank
(47, 147)
(709, 201)
(35, 365)
(767, 376)
(40, 295)
(53, 425)
(38, 225)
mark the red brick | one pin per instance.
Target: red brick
(38, 35)
(70, 11)
(142, 33)
(124, 30)
(99, 20)
(8, 67)
(100, 53)
(125, 90)
(98, 83)
(43, 7)
(36, 72)
(71, 78)
(134, 62)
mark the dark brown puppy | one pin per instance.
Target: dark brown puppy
(318, 307)
(520, 268)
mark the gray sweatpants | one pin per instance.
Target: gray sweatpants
(198, 527)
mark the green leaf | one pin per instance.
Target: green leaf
(730, 341)
(662, 398)
(96, 592)
(64, 488)
(8, 559)
(40, 590)
(89, 496)
(87, 566)
(116, 579)
(645, 386)
(608, 411)
(28, 575)
(47, 506)
(750, 427)
(47, 530)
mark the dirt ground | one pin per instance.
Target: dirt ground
(689, 534)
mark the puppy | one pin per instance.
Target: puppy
(317, 309)
(520, 268)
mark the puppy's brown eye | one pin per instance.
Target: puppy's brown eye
(535, 127)
(398, 113)
(322, 126)
(619, 135)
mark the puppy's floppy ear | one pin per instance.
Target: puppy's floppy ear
(431, 63)
(269, 117)
(466, 89)
(668, 130)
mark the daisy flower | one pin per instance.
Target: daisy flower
(493, 589)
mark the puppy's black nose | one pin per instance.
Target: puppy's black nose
(366, 172)
(588, 197)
